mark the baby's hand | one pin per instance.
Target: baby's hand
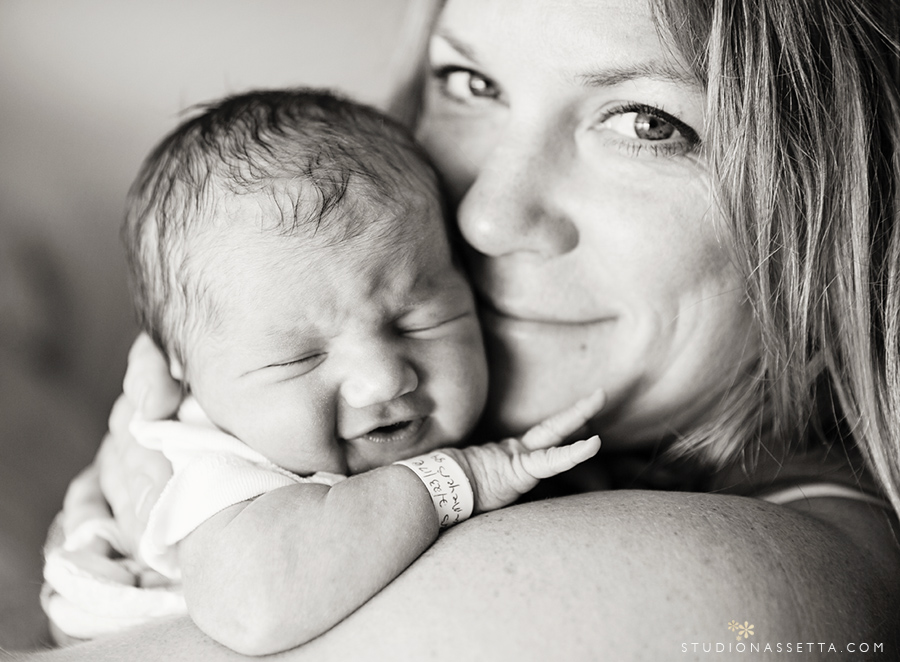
(500, 472)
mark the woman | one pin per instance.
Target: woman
(692, 206)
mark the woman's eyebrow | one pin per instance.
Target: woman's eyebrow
(658, 70)
(458, 45)
(608, 76)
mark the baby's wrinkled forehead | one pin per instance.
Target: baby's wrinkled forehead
(360, 250)
(286, 222)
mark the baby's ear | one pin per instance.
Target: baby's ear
(176, 369)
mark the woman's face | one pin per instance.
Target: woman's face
(572, 140)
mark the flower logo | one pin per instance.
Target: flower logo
(744, 630)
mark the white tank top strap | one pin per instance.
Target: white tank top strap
(820, 490)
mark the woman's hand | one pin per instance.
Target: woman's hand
(125, 475)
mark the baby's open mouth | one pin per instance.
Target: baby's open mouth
(393, 427)
(399, 431)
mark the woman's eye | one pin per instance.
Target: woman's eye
(464, 84)
(649, 124)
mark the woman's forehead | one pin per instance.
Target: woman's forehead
(587, 38)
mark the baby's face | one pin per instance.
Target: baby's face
(345, 357)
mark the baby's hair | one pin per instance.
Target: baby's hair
(302, 149)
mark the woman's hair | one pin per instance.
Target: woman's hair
(804, 151)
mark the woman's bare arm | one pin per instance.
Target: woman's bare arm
(634, 575)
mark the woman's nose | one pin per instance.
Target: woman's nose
(377, 378)
(514, 204)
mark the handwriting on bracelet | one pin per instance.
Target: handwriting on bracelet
(436, 475)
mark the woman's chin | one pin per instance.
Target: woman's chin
(540, 369)
(528, 380)
(619, 425)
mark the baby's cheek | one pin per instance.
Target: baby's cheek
(294, 434)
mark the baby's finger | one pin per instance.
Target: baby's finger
(120, 417)
(84, 500)
(547, 462)
(555, 429)
(132, 478)
(148, 385)
(99, 567)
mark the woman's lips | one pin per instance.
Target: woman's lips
(502, 313)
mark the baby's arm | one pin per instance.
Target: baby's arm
(270, 574)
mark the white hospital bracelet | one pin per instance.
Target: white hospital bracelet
(448, 485)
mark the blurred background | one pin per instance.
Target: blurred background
(86, 88)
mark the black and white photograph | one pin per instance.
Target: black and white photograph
(451, 330)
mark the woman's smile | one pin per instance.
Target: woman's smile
(502, 310)
(493, 317)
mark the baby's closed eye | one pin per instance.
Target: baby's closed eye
(427, 326)
(301, 364)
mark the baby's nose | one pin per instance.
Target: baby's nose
(377, 380)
